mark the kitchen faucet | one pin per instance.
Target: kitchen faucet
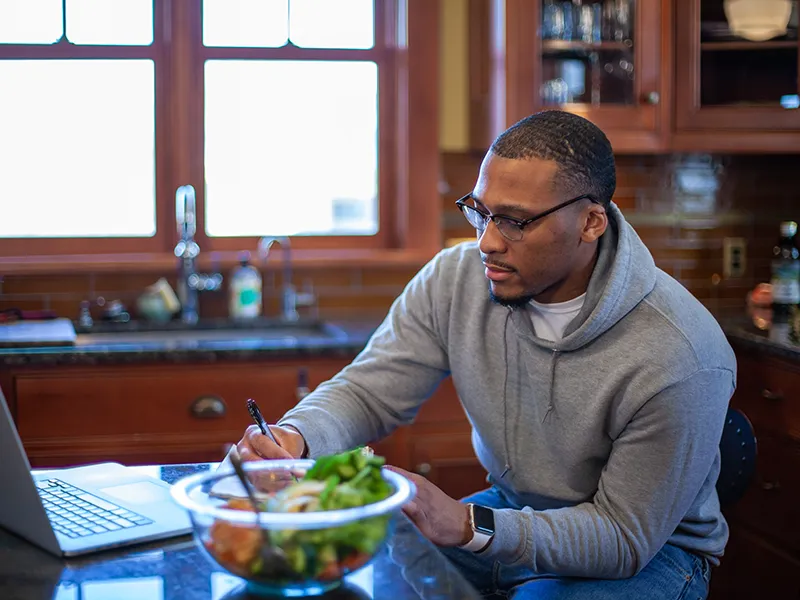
(289, 294)
(190, 282)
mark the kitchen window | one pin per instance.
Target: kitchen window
(288, 117)
(77, 124)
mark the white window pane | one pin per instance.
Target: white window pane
(246, 23)
(291, 148)
(77, 148)
(30, 21)
(332, 23)
(112, 22)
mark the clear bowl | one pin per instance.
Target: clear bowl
(288, 553)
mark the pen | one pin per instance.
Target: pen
(252, 408)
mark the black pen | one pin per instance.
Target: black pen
(252, 408)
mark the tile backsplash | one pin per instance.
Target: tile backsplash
(683, 206)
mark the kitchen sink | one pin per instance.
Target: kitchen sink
(213, 335)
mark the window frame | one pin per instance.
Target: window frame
(64, 50)
(406, 50)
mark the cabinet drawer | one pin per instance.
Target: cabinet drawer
(768, 391)
(771, 505)
(186, 412)
(153, 401)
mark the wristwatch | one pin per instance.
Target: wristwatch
(481, 520)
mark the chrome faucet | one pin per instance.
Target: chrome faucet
(190, 282)
(288, 293)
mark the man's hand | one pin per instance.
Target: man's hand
(255, 445)
(440, 518)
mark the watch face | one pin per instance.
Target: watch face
(483, 519)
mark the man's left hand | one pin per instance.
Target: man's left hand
(440, 518)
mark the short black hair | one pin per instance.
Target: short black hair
(582, 151)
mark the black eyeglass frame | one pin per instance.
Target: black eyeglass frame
(519, 223)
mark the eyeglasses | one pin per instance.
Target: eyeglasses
(512, 229)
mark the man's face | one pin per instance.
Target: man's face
(539, 264)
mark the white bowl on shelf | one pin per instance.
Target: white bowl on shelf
(758, 20)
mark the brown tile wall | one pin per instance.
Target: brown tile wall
(683, 207)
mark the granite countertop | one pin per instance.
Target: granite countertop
(209, 341)
(743, 332)
(410, 567)
(216, 340)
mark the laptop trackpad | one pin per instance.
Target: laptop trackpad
(142, 492)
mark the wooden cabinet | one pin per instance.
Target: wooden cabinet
(754, 568)
(438, 445)
(655, 75)
(447, 459)
(171, 413)
(763, 556)
(736, 84)
(145, 414)
(601, 59)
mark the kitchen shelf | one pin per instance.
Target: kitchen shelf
(725, 46)
(570, 46)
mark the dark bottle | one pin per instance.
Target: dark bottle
(785, 274)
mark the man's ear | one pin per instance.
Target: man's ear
(594, 224)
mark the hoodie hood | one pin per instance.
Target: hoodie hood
(624, 275)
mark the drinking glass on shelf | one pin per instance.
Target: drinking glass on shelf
(552, 22)
(622, 20)
(617, 20)
(589, 23)
(555, 91)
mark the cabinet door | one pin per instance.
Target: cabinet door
(598, 58)
(752, 568)
(448, 460)
(737, 72)
(768, 392)
(138, 415)
(770, 505)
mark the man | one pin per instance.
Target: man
(596, 385)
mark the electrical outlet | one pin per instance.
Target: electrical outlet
(734, 257)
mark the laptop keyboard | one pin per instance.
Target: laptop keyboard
(76, 513)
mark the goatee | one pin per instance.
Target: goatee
(514, 302)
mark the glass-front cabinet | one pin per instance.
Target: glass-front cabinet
(597, 58)
(737, 66)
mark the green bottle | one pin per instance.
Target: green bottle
(785, 274)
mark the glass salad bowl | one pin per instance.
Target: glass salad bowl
(317, 520)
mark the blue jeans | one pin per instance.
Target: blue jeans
(673, 574)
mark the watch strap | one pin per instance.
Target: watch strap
(478, 542)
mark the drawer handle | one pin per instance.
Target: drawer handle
(423, 469)
(771, 486)
(770, 395)
(208, 407)
(302, 384)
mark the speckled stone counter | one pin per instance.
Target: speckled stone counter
(140, 342)
(743, 333)
(213, 341)
(409, 567)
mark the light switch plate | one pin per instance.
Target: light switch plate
(734, 261)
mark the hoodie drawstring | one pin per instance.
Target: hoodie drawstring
(552, 384)
(505, 396)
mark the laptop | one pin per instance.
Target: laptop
(74, 511)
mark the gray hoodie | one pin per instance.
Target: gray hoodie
(607, 441)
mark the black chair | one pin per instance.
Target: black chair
(738, 450)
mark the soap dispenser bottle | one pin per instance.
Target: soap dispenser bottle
(245, 296)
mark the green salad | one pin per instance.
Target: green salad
(334, 482)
